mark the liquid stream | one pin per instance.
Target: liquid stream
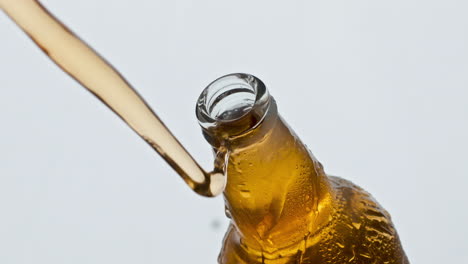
(87, 67)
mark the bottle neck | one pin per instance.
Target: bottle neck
(277, 193)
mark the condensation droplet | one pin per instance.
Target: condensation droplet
(245, 193)
(227, 213)
(357, 226)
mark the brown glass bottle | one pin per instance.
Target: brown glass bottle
(284, 208)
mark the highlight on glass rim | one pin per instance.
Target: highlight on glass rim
(283, 206)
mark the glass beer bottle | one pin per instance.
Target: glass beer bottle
(284, 208)
(282, 205)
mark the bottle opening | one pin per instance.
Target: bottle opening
(230, 99)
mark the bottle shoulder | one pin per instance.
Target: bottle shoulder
(359, 231)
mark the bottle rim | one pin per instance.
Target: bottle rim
(235, 102)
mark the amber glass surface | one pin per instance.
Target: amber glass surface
(284, 208)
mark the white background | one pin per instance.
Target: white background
(377, 89)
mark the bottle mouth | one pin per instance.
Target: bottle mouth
(230, 99)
